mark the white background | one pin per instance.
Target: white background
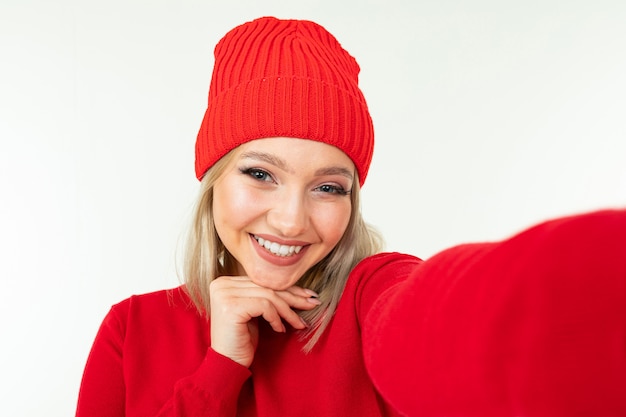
(490, 116)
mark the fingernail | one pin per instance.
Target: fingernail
(313, 301)
(311, 293)
(304, 322)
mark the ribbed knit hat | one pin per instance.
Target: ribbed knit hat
(286, 78)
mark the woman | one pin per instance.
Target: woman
(288, 309)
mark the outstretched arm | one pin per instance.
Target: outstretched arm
(534, 325)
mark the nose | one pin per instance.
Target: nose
(289, 214)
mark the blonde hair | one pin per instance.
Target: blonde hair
(206, 258)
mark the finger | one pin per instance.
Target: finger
(245, 299)
(303, 292)
(269, 312)
(273, 310)
(243, 302)
(273, 307)
(307, 294)
(300, 298)
(297, 297)
(280, 302)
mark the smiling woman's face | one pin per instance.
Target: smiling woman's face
(281, 206)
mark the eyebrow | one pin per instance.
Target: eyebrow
(335, 171)
(282, 164)
(266, 157)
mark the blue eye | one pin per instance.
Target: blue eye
(332, 189)
(257, 174)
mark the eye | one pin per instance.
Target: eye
(257, 174)
(332, 189)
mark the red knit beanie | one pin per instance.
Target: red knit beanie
(286, 78)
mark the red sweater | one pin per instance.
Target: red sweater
(151, 357)
(531, 326)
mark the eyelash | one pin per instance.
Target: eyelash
(335, 189)
(257, 173)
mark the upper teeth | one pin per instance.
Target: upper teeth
(278, 249)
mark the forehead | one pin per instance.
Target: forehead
(293, 152)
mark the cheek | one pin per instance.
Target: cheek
(233, 205)
(332, 223)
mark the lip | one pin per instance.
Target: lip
(281, 241)
(278, 260)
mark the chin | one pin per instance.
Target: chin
(277, 284)
(272, 285)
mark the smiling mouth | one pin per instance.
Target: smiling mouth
(277, 249)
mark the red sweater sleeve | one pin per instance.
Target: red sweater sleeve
(102, 388)
(534, 325)
(212, 390)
